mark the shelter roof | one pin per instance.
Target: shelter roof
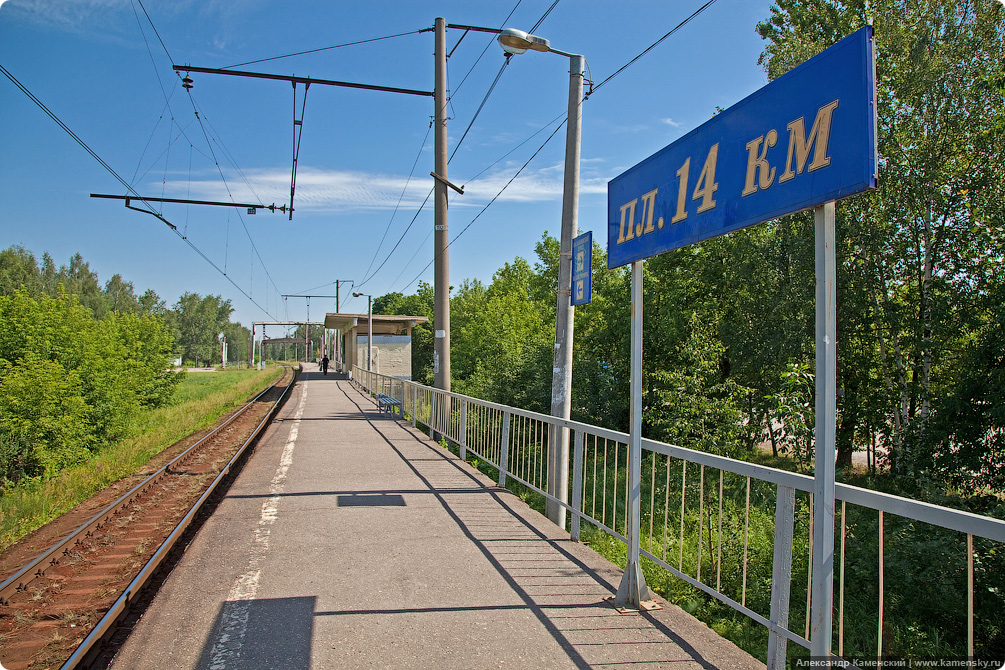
(383, 324)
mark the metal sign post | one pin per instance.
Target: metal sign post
(826, 421)
(634, 591)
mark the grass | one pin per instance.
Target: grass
(199, 401)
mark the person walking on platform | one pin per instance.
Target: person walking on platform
(324, 364)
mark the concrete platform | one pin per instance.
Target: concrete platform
(349, 540)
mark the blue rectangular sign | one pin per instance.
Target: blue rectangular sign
(804, 139)
(582, 269)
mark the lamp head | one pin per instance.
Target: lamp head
(356, 295)
(515, 41)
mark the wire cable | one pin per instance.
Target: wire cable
(164, 46)
(67, 130)
(485, 50)
(494, 198)
(398, 204)
(654, 44)
(479, 110)
(386, 259)
(334, 46)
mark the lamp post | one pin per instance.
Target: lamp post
(369, 328)
(517, 42)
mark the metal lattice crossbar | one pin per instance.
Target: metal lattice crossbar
(701, 513)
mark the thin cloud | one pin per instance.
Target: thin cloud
(344, 190)
(670, 122)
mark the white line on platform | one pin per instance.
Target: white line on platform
(226, 649)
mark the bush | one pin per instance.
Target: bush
(70, 384)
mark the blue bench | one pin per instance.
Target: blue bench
(387, 403)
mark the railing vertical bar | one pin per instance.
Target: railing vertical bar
(718, 544)
(781, 573)
(970, 595)
(746, 534)
(462, 441)
(879, 644)
(603, 511)
(701, 515)
(529, 433)
(809, 570)
(628, 490)
(504, 450)
(432, 427)
(683, 497)
(517, 451)
(577, 483)
(666, 508)
(652, 498)
(593, 508)
(528, 449)
(844, 526)
(540, 451)
(614, 497)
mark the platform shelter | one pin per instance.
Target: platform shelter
(391, 352)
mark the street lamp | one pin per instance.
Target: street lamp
(369, 327)
(515, 41)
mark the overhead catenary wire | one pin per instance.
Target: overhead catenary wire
(122, 181)
(328, 48)
(209, 145)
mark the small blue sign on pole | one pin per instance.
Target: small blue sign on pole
(806, 138)
(582, 269)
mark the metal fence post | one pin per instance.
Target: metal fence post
(432, 415)
(577, 484)
(781, 574)
(463, 437)
(415, 395)
(504, 450)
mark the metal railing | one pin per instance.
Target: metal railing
(701, 512)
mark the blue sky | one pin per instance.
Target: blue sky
(99, 67)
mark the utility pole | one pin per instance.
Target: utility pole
(565, 313)
(441, 281)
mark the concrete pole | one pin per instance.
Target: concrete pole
(441, 278)
(822, 611)
(561, 380)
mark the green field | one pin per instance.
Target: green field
(199, 401)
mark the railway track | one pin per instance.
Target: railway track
(57, 608)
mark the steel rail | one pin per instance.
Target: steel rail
(108, 621)
(36, 568)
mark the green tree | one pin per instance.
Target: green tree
(120, 297)
(912, 251)
(198, 322)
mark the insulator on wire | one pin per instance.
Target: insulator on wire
(186, 82)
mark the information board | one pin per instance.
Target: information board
(582, 269)
(804, 139)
